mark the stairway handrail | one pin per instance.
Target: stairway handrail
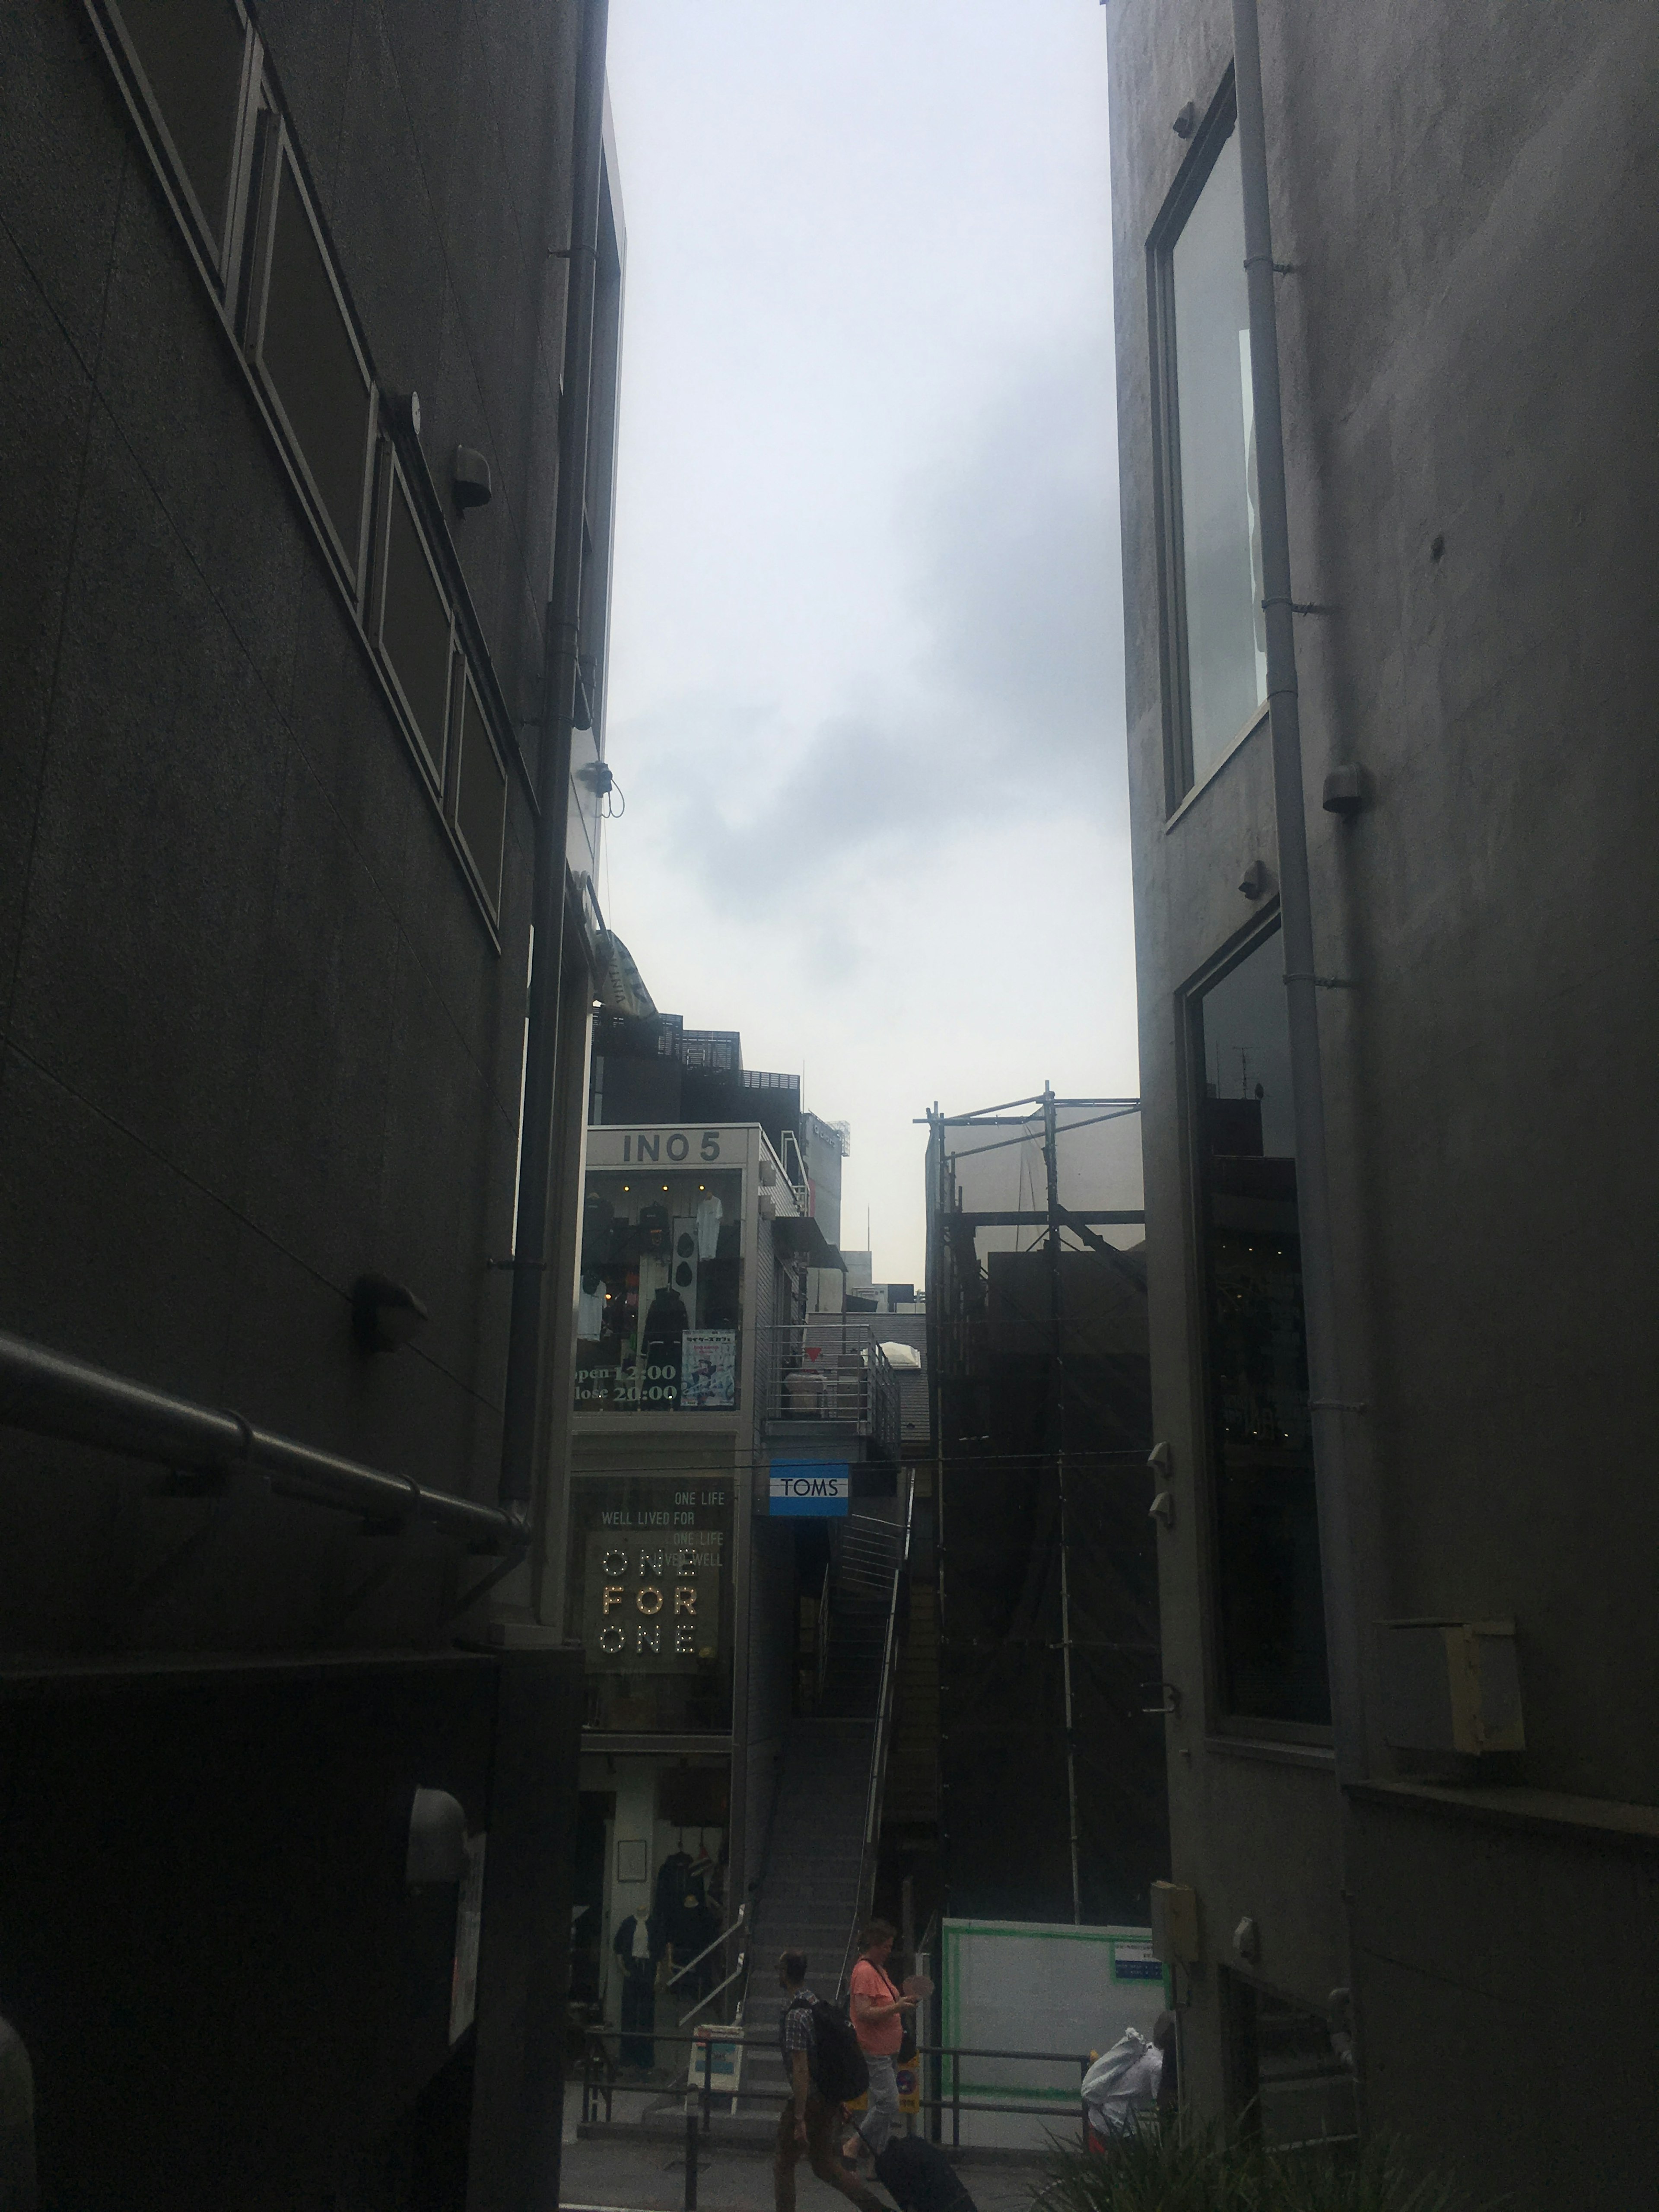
(822, 1652)
(735, 1975)
(879, 1745)
(725, 1936)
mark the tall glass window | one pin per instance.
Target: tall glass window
(310, 362)
(659, 1316)
(1269, 1597)
(1221, 644)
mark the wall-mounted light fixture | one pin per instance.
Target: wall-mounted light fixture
(384, 1314)
(469, 480)
(1344, 790)
(437, 1839)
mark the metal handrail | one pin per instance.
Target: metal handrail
(725, 1935)
(879, 1747)
(840, 1375)
(956, 2104)
(736, 1974)
(52, 1394)
(823, 1653)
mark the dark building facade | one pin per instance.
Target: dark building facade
(1396, 943)
(304, 690)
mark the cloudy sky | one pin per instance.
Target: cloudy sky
(865, 684)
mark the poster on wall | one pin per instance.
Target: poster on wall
(709, 1370)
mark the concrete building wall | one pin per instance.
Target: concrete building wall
(259, 1035)
(1464, 194)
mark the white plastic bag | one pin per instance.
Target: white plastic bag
(1122, 2083)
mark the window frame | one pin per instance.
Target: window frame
(1220, 1719)
(466, 683)
(1181, 781)
(278, 167)
(221, 263)
(391, 478)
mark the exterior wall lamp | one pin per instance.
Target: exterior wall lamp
(384, 1314)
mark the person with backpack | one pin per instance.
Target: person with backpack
(877, 2011)
(825, 2067)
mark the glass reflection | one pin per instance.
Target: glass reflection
(1269, 1595)
(1220, 528)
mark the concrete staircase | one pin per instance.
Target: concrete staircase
(808, 1898)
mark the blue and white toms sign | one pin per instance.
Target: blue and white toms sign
(811, 1487)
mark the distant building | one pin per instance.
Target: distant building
(1408, 1525)
(824, 1144)
(732, 1532)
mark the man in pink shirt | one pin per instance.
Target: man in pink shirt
(877, 2010)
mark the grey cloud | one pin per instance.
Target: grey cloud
(1012, 706)
(1018, 556)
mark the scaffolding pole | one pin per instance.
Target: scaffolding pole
(1057, 1432)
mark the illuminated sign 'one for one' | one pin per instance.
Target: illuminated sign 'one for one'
(651, 1607)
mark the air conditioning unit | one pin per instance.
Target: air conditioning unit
(1450, 1686)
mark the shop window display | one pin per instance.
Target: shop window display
(662, 1920)
(651, 1584)
(659, 1309)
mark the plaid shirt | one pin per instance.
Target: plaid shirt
(795, 2023)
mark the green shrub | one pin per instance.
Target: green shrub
(1160, 2170)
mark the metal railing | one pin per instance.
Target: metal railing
(724, 1937)
(828, 1369)
(52, 1394)
(600, 2084)
(719, 1990)
(865, 1548)
(879, 1745)
(821, 1654)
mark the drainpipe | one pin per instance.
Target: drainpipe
(533, 1246)
(1330, 1412)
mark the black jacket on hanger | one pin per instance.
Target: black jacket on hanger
(681, 1899)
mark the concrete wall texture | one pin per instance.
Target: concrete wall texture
(257, 1036)
(1467, 194)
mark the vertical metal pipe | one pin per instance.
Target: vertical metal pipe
(1329, 1414)
(527, 1331)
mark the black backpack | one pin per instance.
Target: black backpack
(834, 2063)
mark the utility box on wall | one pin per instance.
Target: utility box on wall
(1450, 1686)
(1175, 1923)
